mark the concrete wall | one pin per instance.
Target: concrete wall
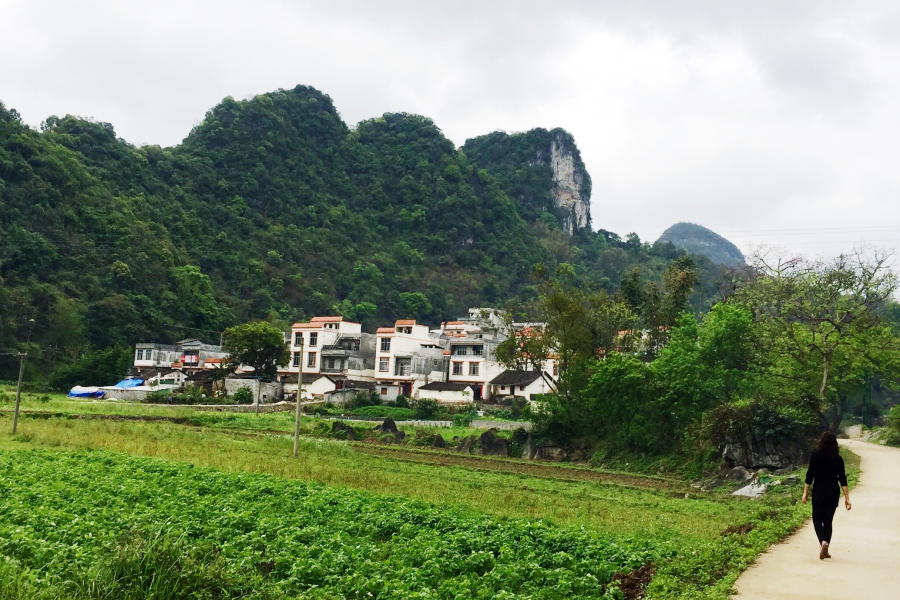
(272, 391)
(447, 397)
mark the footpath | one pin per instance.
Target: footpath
(865, 548)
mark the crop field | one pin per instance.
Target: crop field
(105, 509)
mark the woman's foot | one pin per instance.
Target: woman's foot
(827, 553)
(823, 551)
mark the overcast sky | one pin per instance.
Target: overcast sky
(768, 122)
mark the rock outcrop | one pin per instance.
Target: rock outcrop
(559, 183)
(342, 430)
(491, 444)
(568, 190)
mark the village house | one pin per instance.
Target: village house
(334, 347)
(407, 356)
(447, 393)
(185, 356)
(523, 384)
(472, 355)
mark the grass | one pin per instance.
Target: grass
(644, 508)
(652, 509)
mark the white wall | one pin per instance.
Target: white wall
(447, 396)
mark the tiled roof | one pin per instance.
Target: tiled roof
(405, 323)
(445, 386)
(516, 378)
(454, 323)
(385, 330)
(307, 326)
(326, 319)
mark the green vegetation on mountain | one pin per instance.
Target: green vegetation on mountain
(272, 208)
(700, 240)
(521, 162)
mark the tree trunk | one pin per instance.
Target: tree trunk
(825, 367)
(837, 415)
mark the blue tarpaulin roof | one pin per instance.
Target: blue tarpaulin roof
(131, 382)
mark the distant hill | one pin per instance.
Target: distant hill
(700, 240)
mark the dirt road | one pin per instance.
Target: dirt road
(865, 547)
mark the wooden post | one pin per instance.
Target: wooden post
(22, 356)
(299, 394)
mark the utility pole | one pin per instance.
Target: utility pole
(299, 394)
(22, 356)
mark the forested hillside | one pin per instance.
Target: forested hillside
(272, 208)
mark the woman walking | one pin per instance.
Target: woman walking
(827, 476)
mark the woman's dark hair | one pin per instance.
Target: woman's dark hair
(828, 444)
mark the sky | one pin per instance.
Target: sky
(769, 122)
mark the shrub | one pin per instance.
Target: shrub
(401, 402)
(157, 397)
(426, 408)
(365, 398)
(394, 412)
(243, 396)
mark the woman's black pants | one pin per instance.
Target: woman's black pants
(822, 515)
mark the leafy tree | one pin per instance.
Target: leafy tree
(257, 344)
(822, 321)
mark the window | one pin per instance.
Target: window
(298, 339)
(503, 387)
(460, 351)
(296, 359)
(555, 370)
(385, 344)
(310, 359)
(473, 368)
(457, 368)
(313, 339)
(521, 388)
(140, 355)
(384, 391)
(384, 364)
(478, 350)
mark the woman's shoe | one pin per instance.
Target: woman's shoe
(823, 552)
(827, 553)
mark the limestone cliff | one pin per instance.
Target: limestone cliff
(568, 184)
(541, 171)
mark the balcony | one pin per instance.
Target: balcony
(338, 351)
(403, 368)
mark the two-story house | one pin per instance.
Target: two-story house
(407, 356)
(188, 355)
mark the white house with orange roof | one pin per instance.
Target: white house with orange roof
(407, 356)
(331, 347)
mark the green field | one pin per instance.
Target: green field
(649, 519)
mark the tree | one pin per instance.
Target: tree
(816, 315)
(257, 344)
